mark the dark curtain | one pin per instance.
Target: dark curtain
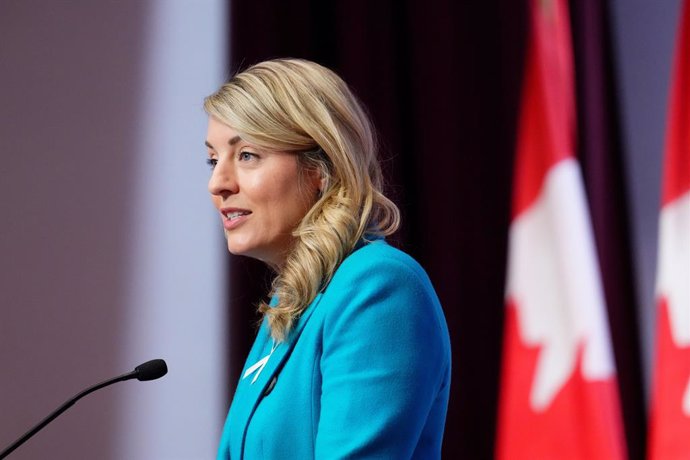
(442, 83)
(601, 157)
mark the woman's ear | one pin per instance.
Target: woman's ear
(316, 171)
(323, 182)
(318, 178)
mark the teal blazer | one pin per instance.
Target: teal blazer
(365, 372)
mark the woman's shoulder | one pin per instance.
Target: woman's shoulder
(382, 292)
(379, 259)
(377, 270)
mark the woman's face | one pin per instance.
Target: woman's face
(260, 194)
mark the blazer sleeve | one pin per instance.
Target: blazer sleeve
(386, 359)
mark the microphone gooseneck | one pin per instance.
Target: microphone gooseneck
(150, 370)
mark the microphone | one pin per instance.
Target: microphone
(150, 370)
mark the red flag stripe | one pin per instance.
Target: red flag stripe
(547, 117)
(677, 161)
(669, 426)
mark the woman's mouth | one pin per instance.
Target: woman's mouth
(234, 217)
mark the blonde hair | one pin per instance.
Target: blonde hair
(299, 106)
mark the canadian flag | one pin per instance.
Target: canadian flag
(559, 397)
(670, 410)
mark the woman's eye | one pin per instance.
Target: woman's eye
(212, 162)
(246, 156)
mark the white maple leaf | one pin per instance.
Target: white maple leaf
(554, 281)
(673, 273)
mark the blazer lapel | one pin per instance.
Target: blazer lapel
(257, 375)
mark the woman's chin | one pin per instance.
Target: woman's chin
(238, 251)
(243, 250)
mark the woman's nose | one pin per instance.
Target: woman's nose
(222, 181)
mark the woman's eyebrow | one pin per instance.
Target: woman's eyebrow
(232, 141)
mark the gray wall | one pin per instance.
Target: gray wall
(110, 251)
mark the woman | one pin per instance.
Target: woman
(352, 359)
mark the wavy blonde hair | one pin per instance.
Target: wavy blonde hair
(298, 106)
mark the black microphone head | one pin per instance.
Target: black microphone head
(151, 370)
